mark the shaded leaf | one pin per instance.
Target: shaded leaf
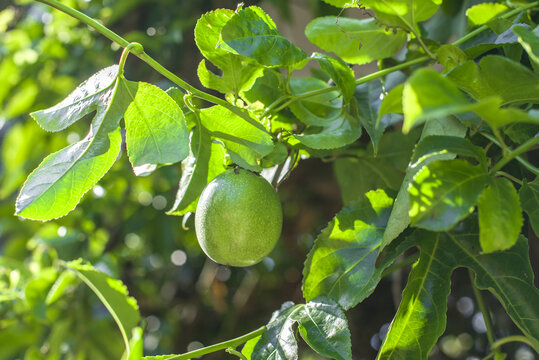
(497, 76)
(444, 192)
(452, 144)
(500, 216)
(56, 186)
(86, 98)
(366, 108)
(252, 33)
(206, 160)
(529, 198)
(156, 131)
(319, 110)
(450, 56)
(342, 131)
(403, 13)
(342, 74)
(529, 39)
(356, 41)
(113, 294)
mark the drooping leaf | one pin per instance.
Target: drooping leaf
(342, 131)
(342, 74)
(369, 171)
(322, 325)
(427, 95)
(482, 13)
(366, 108)
(156, 132)
(400, 218)
(238, 73)
(497, 76)
(252, 33)
(86, 98)
(56, 186)
(318, 110)
(245, 143)
(356, 41)
(113, 294)
(500, 216)
(205, 161)
(420, 319)
(341, 264)
(444, 192)
(529, 198)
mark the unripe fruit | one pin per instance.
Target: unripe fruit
(238, 218)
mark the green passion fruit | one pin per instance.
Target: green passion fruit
(238, 218)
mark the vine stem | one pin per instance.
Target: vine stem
(513, 154)
(220, 346)
(521, 160)
(512, 338)
(483, 309)
(153, 63)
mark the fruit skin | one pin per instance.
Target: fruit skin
(238, 218)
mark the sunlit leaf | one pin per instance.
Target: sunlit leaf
(481, 13)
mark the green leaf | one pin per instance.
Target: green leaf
(482, 13)
(500, 216)
(113, 294)
(499, 35)
(249, 347)
(366, 107)
(245, 143)
(252, 33)
(356, 41)
(87, 97)
(206, 160)
(56, 186)
(450, 56)
(156, 132)
(497, 76)
(238, 73)
(420, 319)
(392, 102)
(451, 144)
(266, 88)
(403, 13)
(427, 95)
(136, 344)
(489, 110)
(342, 74)
(322, 324)
(529, 39)
(529, 198)
(400, 218)
(342, 131)
(318, 110)
(341, 264)
(368, 171)
(36, 290)
(444, 192)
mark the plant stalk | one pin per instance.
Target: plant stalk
(513, 154)
(220, 346)
(483, 309)
(521, 160)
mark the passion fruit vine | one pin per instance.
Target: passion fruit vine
(238, 218)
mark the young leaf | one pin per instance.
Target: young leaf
(113, 294)
(427, 95)
(206, 160)
(500, 216)
(342, 74)
(497, 76)
(156, 132)
(392, 102)
(252, 33)
(342, 131)
(403, 13)
(400, 218)
(529, 197)
(322, 324)
(482, 13)
(529, 39)
(444, 192)
(420, 319)
(341, 264)
(238, 73)
(245, 143)
(356, 41)
(318, 110)
(56, 186)
(86, 98)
